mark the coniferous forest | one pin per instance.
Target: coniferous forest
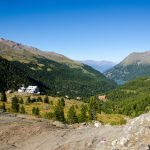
(131, 99)
(54, 74)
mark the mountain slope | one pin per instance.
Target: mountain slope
(132, 98)
(101, 66)
(134, 66)
(62, 75)
(11, 77)
(12, 51)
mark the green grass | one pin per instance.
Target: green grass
(42, 106)
(112, 119)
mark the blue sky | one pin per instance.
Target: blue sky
(79, 29)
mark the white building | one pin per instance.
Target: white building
(21, 90)
(30, 89)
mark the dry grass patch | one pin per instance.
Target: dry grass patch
(113, 119)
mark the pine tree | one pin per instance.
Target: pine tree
(71, 115)
(46, 99)
(21, 101)
(15, 104)
(4, 107)
(28, 100)
(33, 110)
(37, 112)
(83, 113)
(92, 106)
(39, 99)
(59, 112)
(62, 101)
(99, 106)
(3, 96)
(22, 110)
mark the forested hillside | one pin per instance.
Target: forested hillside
(12, 77)
(132, 99)
(60, 74)
(133, 66)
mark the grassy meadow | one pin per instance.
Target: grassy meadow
(113, 119)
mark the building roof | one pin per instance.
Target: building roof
(31, 87)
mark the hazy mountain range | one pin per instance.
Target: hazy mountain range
(101, 66)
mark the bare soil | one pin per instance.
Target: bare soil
(29, 133)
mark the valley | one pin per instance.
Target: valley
(101, 66)
(55, 74)
(62, 116)
(74, 75)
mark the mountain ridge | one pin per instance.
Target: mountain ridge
(62, 75)
(101, 66)
(136, 64)
(35, 51)
(137, 57)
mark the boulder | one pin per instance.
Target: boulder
(97, 124)
(58, 124)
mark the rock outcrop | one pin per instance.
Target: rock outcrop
(23, 132)
(136, 135)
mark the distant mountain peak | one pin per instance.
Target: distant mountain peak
(136, 64)
(137, 57)
(101, 66)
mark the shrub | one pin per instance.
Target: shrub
(28, 100)
(3, 96)
(21, 101)
(49, 115)
(39, 99)
(83, 113)
(71, 115)
(15, 104)
(35, 111)
(92, 108)
(51, 102)
(3, 107)
(46, 99)
(22, 110)
(59, 112)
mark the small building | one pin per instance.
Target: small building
(32, 89)
(78, 98)
(21, 89)
(67, 96)
(9, 91)
(103, 98)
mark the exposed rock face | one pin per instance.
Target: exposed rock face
(136, 135)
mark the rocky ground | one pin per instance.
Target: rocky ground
(30, 133)
(136, 135)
